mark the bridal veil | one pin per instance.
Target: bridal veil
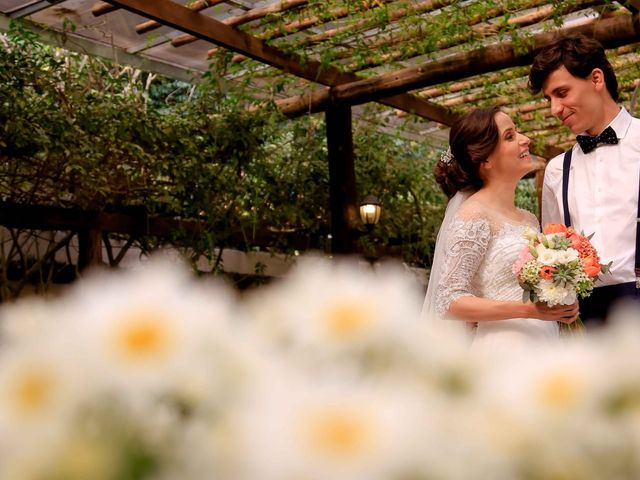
(429, 307)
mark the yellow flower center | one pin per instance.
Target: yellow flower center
(347, 318)
(338, 434)
(32, 391)
(144, 335)
(560, 390)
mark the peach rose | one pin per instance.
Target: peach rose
(546, 272)
(591, 266)
(575, 238)
(554, 228)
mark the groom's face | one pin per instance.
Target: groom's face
(574, 101)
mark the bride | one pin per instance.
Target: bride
(481, 236)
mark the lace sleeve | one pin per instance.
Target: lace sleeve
(467, 243)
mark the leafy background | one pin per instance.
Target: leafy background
(80, 132)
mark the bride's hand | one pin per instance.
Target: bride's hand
(560, 313)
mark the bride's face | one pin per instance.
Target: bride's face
(511, 157)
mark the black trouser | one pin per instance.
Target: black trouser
(595, 308)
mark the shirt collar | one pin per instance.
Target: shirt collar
(621, 123)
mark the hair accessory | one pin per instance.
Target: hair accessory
(446, 156)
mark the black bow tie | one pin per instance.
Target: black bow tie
(588, 143)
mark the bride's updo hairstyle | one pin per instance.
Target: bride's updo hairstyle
(472, 138)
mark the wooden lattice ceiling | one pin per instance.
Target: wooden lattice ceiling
(434, 58)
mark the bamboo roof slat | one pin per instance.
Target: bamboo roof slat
(431, 58)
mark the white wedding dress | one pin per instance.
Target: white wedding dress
(480, 250)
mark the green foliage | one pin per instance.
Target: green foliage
(79, 132)
(400, 174)
(527, 195)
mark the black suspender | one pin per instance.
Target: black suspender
(566, 166)
(637, 265)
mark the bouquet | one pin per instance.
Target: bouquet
(557, 267)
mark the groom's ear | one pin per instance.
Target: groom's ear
(597, 79)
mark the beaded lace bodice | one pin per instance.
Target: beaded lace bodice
(480, 250)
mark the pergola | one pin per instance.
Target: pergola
(424, 60)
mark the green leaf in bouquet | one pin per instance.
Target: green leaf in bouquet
(544, 240)
(562, 243)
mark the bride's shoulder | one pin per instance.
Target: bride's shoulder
(473, 209)
(472, 215)
(530, 219)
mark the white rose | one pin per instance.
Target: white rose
(566, 256)
(546, 256)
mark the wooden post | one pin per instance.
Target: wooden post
(89, 248)
(342, 179)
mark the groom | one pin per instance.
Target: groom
(594, 186)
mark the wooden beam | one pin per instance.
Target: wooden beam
(210, 29)
(517, 82)
(314, 101)
(475, 82)
(246, 17)
(342, 179)
(319, 100)
(135, 222)
(30, 8)
(618, 61)
(103, 8)
(611, 32)
(198, 6)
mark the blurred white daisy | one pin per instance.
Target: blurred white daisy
(338, 430)
(158, 330)
(40, 393)
(28, 318)
(548, 384)
(324, 310)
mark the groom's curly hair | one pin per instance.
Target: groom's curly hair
(472, 138)
(579, 55)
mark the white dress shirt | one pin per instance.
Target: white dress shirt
(603, 197)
